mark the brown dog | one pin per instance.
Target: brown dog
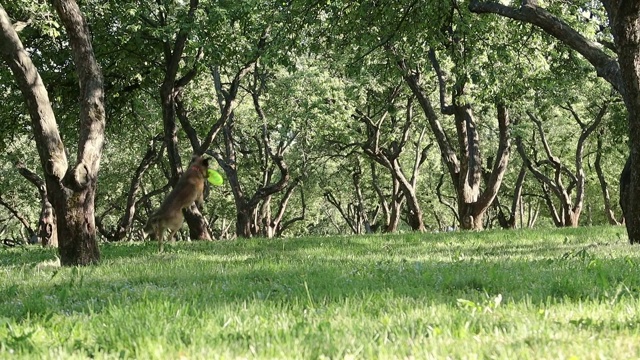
(190, 188)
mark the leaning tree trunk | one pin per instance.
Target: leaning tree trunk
(604, 186)
(72, 190)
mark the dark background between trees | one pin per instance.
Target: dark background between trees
(331, 117)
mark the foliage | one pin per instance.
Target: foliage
(324, 61)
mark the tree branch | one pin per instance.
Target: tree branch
(606, 66)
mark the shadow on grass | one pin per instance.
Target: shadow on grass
(211, 275)
(28, 255)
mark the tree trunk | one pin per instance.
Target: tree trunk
(466, 173)
(571, 208)
(516, 199)
(76, 226)
(625, 183)
(275, 225)
(170, 90)
(47, 232)
(414, 212)
(20, 217)
(244, 222)
(75, 214)
(604, 186)
(396, 204)
(625, 29)
(388, 156)
(471, 218)
(71, 190)
(47, 229)
(122, 229)
(349, 217)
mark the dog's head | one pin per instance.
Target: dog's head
(200, 163)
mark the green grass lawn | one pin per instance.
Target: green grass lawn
(554, 294)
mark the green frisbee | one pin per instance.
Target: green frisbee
(215, 178)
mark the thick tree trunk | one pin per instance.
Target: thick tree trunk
(571, 218)
(75, 214)
(471, 218)
(244, 222)
(626, 32)
(198, 227)
(76, 226)
(394, 219)
(71, 191)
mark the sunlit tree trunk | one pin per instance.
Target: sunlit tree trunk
(71, 190)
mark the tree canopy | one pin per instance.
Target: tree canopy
(323, 116)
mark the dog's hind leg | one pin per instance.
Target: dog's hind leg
(159, 233)
(171, 234)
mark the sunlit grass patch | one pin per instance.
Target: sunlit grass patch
(501, 294)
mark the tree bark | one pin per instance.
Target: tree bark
(75, 212)
(391, 209)
(625, 24)
(71, 190)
